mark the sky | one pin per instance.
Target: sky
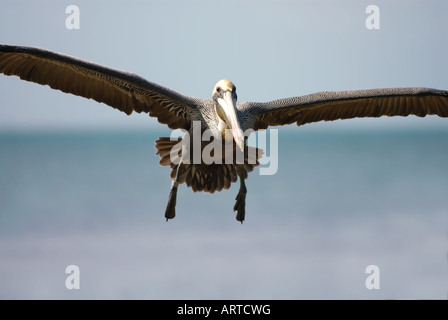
(270, 50)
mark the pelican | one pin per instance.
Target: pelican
(219, 115)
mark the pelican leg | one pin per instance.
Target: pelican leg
(170, 211)
(240, 205)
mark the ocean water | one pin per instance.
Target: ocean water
(339, 202)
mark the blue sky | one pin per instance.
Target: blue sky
(269, 49)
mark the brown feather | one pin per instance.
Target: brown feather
(208, 178)
(124, 91)
(328, 106)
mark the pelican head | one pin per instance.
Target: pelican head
(224, 95)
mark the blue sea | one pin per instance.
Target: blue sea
(341, 200)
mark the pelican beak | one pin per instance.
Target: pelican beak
(228, 104)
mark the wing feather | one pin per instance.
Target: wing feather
(122, 90)
(329, 106)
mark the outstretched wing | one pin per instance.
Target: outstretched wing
(122, 90)
(330, 106)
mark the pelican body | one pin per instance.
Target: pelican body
(222, 117)
(219, 117)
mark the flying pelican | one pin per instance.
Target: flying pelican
(222, 113)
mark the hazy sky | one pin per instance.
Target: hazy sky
(269, 49)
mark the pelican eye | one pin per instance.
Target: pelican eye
(218, 89)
